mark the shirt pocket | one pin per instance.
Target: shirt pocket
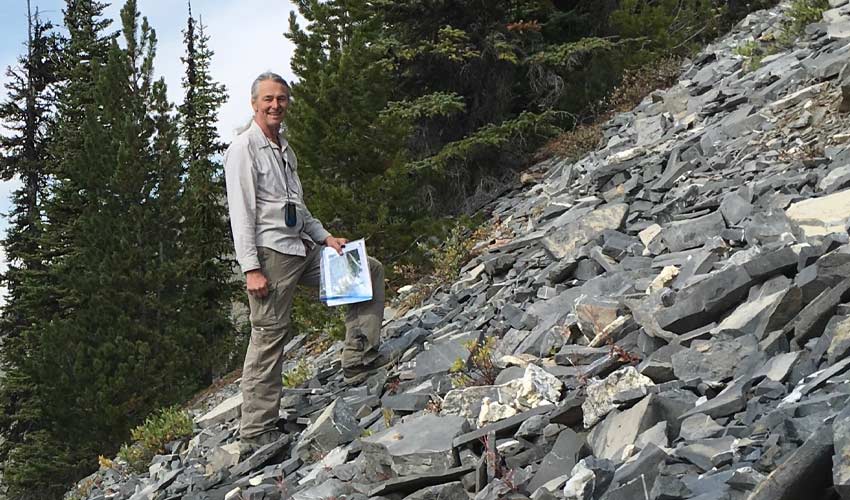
(268, 180)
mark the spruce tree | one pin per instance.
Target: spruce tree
(402, 108)
(115, 347)
(205, 237)
(27, 114)
(351, 162)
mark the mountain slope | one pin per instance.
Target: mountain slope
(668, 320)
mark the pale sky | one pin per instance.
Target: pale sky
(246, 35)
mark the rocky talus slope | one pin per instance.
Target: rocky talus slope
(669, 316)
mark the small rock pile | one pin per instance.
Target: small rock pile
(671, 321)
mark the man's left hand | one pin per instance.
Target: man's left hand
(336, 243)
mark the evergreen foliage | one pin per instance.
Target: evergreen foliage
(27, 114)
(404, 116)
(132, 289)
(205, 239)
(347, 152)
(151, 437)
(113, 350)
(407, 112)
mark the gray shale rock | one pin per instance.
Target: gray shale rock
(600, 393)
(420, 445)
(448, 491)
(564, 242)
(841, 459)
(703, 245)
(335, 426)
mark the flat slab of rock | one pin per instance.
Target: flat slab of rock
(448, 491)
(622, 428)
(813, 318)
(332, 488)
(779, 367)
(841, 459)
(440, 356)
(418, 446)
(752, 317)
(411, 483)
(227, 410)
(692, 233)
(564, 242)
(838, 329)
(714, 359)
(501, 428)
(700, 303)
(730, 400)
(824, 215)
(699, 426)
(562, 457)
(707, 453)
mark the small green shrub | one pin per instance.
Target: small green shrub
(298, 375)
(753, 52)
(150, 438)
(747, 49)
(444, 261)
(801, 14)
(667, 26)
(479, 368)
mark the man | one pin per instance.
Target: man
(277, 244)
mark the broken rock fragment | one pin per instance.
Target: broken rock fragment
(417, 446)
(600, 393)
(564, 242)
(536, 388)
(336, 425)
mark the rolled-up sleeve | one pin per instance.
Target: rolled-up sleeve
(241, 180)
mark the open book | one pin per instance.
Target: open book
(345, 278)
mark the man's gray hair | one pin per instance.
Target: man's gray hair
(255, 89)
(268, 75)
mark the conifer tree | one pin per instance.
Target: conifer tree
(351, 162)
(27, 114)
(205, 237)
(115, 348)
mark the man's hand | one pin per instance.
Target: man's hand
(336, 243)
(257, 284)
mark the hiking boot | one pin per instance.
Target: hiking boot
(358, 373)
(247, 446)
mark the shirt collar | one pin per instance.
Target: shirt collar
(262, 141)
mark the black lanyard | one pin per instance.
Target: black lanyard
(278, 159)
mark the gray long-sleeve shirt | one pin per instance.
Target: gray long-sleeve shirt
(261, 177)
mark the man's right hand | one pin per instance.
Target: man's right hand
(257, 284)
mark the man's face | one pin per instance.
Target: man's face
(271, 103)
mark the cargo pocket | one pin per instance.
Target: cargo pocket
(263, 310)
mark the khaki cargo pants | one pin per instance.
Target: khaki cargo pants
(270, 332)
